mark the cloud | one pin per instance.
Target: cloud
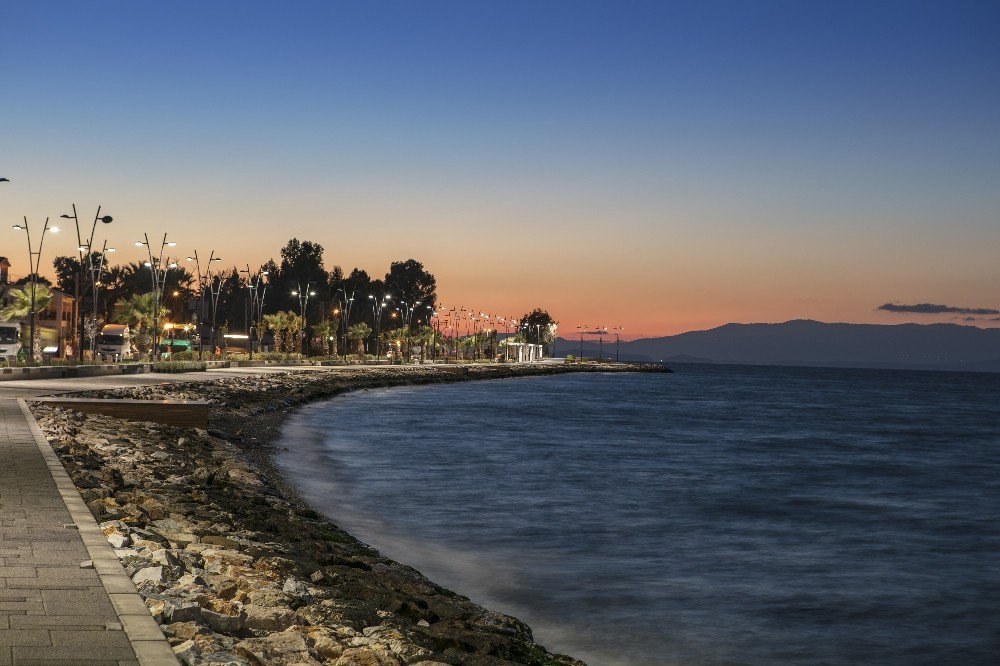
(930, 308)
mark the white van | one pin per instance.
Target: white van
(10, 340)
(114, 342)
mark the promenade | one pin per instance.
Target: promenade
(64, 596)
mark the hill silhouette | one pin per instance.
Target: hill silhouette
(814, 343)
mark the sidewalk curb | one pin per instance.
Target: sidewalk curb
(150, 645)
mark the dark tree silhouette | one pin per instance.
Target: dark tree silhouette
(409, 283)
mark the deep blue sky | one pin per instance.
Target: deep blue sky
(739, 160)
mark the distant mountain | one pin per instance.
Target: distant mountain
(814, 343)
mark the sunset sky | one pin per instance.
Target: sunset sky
(660, 166)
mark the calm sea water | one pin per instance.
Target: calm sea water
(719, 515)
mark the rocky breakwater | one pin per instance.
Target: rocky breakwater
(235, 569)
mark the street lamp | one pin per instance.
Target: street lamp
(377, 309)
(258, 289)
(159, 266)
(94, 270)
(214, 289)
(34, 263)
(618, 330)
(347, 302)
(303, 295)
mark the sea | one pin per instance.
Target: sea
(717, 515)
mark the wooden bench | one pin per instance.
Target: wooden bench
(181, 413)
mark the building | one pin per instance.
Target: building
(55, 322)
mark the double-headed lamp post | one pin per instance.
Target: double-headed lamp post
(158, 267)
(34, 262)
(346, 304)
(258, 288)
(303, 295)
(618, 335)
(214, 290)
(94, 268)
(377, 308)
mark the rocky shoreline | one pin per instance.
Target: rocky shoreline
(235, 568)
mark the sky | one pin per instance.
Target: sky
(660, 166)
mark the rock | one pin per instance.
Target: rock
(364, 656)
(118, 540)
(268, 619)
(223, 623)
(283, 649)
(192, 579)
(181, 611)
(268, 596)
(187, 652)
(220, 541)
(317, 576)
(185, 630)
(295, 587)
(149, 575)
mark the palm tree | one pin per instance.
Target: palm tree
(277, 322)
(295, 324)
(359, 332)
(137, 311)
(424, 335)
(20, 307)
(326, 331)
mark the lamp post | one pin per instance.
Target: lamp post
(94, 270)
(258, 290)
(346, 303)
(303, 295)
(581, 329)
(34, 262)
(618, 333)
(158, 266)
(377, 309)
(214, 290)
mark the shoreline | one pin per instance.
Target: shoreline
(234, 564)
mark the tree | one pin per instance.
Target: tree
(20, 307)
(67, 269)
(326, 332)
(538, 327)
(137, 311)
(424, 335)
(28, 279)
(301, 265)
(276, 324)
(409, 283)
(359, 332)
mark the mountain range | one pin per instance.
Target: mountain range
(813, 343)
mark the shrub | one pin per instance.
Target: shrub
(183, 356)
(179, 366)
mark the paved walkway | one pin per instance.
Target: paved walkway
(64, 596)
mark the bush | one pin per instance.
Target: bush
(179, 366)
(183, 356)
(277, 356)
